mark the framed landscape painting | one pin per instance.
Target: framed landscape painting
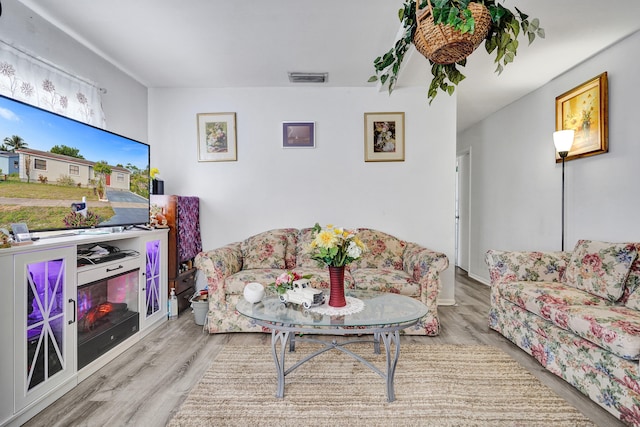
(383, 137)
(298, 135)
(585, 110)
(217, 137)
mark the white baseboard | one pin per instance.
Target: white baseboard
(479, 279)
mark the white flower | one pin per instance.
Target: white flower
(354, 251)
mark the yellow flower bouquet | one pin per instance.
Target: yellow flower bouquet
(335, 246)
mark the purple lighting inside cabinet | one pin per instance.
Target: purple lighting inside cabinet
(45, 294)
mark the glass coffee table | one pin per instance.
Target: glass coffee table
(384, 315)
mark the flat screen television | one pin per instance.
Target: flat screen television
(57, 173)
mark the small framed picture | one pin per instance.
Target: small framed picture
(217, 137)
(20, 232)
(384, 137)
(298, 134)
(584, 109)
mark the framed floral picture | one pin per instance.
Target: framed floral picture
(585, 110)
(383, 137)
(217, 137)
(298, 135)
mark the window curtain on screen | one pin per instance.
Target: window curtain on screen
(35, 81)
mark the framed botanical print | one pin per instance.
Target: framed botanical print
(217, 137)
(384, 137)
(584, 109)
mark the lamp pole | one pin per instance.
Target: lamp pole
(563, 155)
(563, 140)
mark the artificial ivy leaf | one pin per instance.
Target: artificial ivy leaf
(540, 32)
(499, 69)
(508, 57)
(453, 18)
(450, 90)
(535, 24)
(384, 78)
(437, 3)
(523, 16)
(505, 39)
(532, 37)
(515, 28)
(373, 79)
(491, 44)
(512, 46)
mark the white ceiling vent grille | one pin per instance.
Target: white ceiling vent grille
(295, 77)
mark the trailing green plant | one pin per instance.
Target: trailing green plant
(501, 40)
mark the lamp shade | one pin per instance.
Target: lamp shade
(563, 140)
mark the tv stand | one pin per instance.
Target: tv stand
(41, 302)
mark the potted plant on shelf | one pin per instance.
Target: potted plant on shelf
(447, 31)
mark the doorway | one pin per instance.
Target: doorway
(463, 195)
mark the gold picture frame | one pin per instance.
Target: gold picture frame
(584, 109)
(384, 137)
(217, 140)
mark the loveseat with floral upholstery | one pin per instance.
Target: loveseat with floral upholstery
(578, 314)
(389, 265)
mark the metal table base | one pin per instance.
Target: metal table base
(389, 335)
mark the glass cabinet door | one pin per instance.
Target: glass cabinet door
(45, 321)
(153, 297)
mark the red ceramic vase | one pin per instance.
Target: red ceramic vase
(336, 290)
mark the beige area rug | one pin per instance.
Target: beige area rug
(435, 385)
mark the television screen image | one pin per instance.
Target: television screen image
(57, 173)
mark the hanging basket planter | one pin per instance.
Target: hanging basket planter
(443, 44)
(461, 26)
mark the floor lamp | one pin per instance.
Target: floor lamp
(563, 140)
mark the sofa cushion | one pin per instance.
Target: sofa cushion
(539, 297)
(291, 249)
(383, 250)
(234, 284)
(264, 250)
(598, 320)
(631, 298)
(600, 268)
(616, 329)
(303, 251)
(386, 280)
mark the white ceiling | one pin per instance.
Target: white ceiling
(254, 43)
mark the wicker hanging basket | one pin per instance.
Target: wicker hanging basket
(444, 45)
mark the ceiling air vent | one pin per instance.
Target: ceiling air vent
(308, 77)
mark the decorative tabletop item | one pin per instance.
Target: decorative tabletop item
(253, 292)
(5, 239)
(447, 31)
(336, 247)
(284, 282)
(294, 288)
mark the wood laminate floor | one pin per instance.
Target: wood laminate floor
(145, 385)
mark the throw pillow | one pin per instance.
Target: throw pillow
(600, 268)
(303, 259)
(383, 250)
(264, 250)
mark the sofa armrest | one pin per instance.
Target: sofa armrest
(513, 266)
(425, 265)
(217, 265)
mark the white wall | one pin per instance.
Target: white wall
(268, 186)
(271, 187)
(124, 104)
(516, 184)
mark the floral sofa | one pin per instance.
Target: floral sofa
(389, 265)
(578, 314)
